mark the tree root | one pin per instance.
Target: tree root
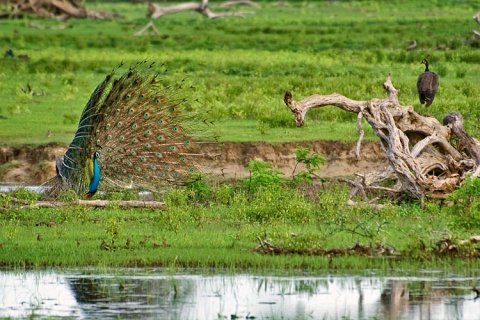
(423, 161)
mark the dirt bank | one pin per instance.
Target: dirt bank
(34, 165)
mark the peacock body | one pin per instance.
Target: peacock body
(133, 132)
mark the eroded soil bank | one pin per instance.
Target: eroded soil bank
(33, 165)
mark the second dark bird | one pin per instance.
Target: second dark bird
(427, 85)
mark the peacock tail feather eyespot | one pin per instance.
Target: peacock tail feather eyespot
(143, 159)
(124, 170)
(191, 170)
(160, 121)
(182, 159)
(147, 145)
(174, 129)
(98, 142)
(141, 96)
(146, 115)
(147, 176)
(175, 175)
(129, 163)
(159, 137)
(172, 148)
(137, 168)
(134, 140)
(107, 126)
(109, 137)
(120, 138)
(119, 124)
(132, 152)
(127, 96)
(187, 142)
(131, 111)
(167, 168)
(147, 132)
(172, 109)
(152, 167)
(117, 111)
(130, 176)
(158, 154)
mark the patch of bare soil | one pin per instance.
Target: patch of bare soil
(35, 165)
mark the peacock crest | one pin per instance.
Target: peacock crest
(135, 131)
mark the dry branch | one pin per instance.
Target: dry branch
(229, 4)
(418, 148)
(149, 25)
(476, 17)
(91, 203)
(156, 11)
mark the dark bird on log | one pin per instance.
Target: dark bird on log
(427, 85)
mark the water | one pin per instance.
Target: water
(153, 294)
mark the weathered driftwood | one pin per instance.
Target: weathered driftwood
(58, 9)
(156, 11)
(149, 25)
(422, 160)
(229, 4)
(476, 17)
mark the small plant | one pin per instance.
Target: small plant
(262, 174)
(114, 226)
(198, 186)
(25, 194)
(312, 162)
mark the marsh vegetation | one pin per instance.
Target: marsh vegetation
(240, 70)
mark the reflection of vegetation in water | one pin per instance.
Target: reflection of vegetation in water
(169, 293)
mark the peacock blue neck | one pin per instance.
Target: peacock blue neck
(93, 173)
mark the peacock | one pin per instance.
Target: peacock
(134, 132)
(427, 85)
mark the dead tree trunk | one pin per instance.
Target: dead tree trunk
(156, 11)
(476, 17)
(58, 9)
(422, 160)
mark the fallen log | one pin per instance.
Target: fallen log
(156, 11)
(90, 203)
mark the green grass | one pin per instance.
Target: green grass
(220, 230)
(240, 70)
(241, 67)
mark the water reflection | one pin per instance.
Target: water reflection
(144, 294)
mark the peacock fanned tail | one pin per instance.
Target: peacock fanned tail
(134, 132)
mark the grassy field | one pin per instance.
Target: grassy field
(240, 69)
(220, 228)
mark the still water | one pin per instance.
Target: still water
(155, 294)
